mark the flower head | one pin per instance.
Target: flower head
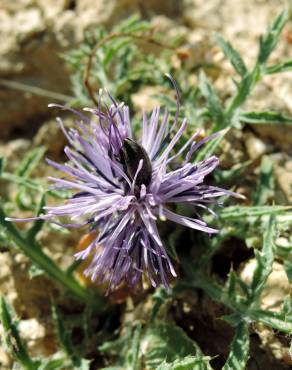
(123, 184)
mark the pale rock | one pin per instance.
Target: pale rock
(5, 359)
(33, 34)
(13, 153)
(277, 286)
(31, 330)
(255, 146)
(283, 172)
(145, 98)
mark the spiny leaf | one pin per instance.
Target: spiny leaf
(243, 91)
(259, 118)
(230, 286)
(54, 362)
(213, 102)
(38, 224)
(233, 56)
(288, 269)
(133, 358)
(278, 321)
(265, 183)
(269, 41)
(1, 165)
(238, 212)
(125, 359)
(238, 356)
(265, 259)
(287, 306)
(187, 363)
(236, 171)
(33, 251)
(30, 161)
(61, 331)
(211, 146)
(65, 341)
(273, 319)
(132, 24)
(160, 297)
(168, 342)
(280, 67)
(12, 338)
(28, 183)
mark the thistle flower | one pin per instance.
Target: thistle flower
(123, 185)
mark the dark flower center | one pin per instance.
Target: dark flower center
(131, 154)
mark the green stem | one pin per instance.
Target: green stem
(13, 340)
(216, 292)
(33, 251)
(246, 86)
(15, 85)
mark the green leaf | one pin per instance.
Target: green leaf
(259, 118)
(233, 56)
(231, 284)
(38, 224)
(278, 68)
(244, 89)
(265, 259)
(12, 338)
(33, 251)
(238, 212)
(1, 165)
(238, 356)
(132, 24)
(82, 364)
(287, 306)
(210, 147)
(117, 347)
(28, 183)
(232, 319)
(167, 342)
(275, 320)
(35, 271)
(30, 161)
(278, 321)
(269, 41)
(213, 102)
(133, 355)
(163, 341)
(125, 359)
(265, 183)
(55, 362)
(235, 172)
(288, 269)
(160, 297)
(187, 363)
(63, 335)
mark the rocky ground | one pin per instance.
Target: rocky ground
(33, 34)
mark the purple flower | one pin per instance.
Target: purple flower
(123, 185)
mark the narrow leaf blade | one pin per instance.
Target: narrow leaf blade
(265, 260)
(270, 39)
(233, 56)
(30, 161)
(262, 118)
(280, 67)
(239, 350)
(238, 212)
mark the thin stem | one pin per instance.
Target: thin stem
(218, 294)
(111, 36)
(13, 340)
(33, 251)
(35, 90)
